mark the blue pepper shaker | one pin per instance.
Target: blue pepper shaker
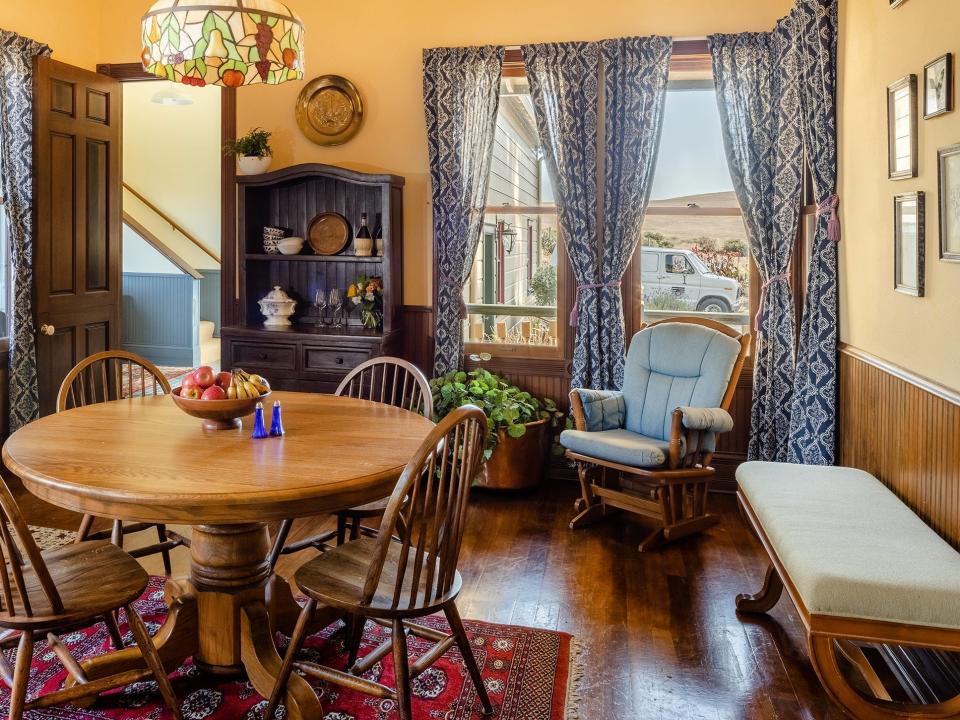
(276, 426)
(259, 430)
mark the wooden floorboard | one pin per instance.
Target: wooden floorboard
(658, 634)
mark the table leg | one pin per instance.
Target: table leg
(262, 663)
(284, 609)
(176, 640)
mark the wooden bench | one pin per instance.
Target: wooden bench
(860, 567)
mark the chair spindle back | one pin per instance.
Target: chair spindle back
(17, 551)
(428, 510)
(110, 375)
(391, 381)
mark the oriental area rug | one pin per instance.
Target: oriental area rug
(529, 674)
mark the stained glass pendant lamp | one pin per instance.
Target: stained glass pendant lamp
(222, 42)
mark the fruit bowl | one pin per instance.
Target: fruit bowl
(218, 414)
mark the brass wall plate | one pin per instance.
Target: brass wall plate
(329, 110)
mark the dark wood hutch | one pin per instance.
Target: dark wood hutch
(307, 356)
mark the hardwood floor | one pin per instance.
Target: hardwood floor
(659, 636)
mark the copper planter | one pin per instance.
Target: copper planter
(516, 463)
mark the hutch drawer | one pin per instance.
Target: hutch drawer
(279, 357)
(336, 359)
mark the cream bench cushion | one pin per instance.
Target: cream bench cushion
(851, 548)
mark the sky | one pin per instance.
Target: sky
(691, 160)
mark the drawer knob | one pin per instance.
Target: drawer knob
(339, 361)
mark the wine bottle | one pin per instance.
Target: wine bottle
(378, 236)
(363, 243)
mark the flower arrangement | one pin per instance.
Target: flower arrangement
(367, 294)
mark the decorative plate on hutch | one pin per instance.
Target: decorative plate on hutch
(329, 110)
(328, 233)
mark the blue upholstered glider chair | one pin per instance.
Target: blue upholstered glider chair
(647, 449)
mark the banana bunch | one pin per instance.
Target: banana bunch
(246, 385)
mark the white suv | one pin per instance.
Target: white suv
(683, 274)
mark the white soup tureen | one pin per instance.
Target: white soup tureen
(277, 307)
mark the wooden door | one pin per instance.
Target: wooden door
(77, 219)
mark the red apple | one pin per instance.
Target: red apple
(189, 381)
(224, 379)
(214, 392)
(190, 391)
(205, 376)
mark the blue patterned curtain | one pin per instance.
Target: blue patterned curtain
(814, 417)
(756, 76)
(635, 74)
(461, 90)
(564, 86)
(16, 185)
(565, 83)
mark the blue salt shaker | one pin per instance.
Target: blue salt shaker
(259, 429)
(276, 426)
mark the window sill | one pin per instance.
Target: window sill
(497, 350)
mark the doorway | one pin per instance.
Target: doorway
(172, 224)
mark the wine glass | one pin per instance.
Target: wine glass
(320, 302)
(335, 301)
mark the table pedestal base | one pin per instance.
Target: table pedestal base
(224, 617)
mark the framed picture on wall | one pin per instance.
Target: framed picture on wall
(902, 128)
(908, 243)
(948, 174)
(938, 86)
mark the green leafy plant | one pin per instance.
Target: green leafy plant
(544, 285)
(506, 406)
(655, 239)
(665, 301)
(255, 143)
(738, 247)
(548, 240)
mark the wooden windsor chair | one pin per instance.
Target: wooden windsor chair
(386, 380)
(59, 590)
(116, 375)
(393, 583)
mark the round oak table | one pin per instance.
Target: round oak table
(144, 460)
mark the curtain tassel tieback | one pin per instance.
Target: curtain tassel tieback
(762, 310)
(575, 313)
(829, 206)
(457, 289)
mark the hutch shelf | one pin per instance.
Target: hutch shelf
(308, 356)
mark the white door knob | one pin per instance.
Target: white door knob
(46, 329)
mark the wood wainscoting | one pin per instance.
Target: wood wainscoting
(551, 378)
(905, 430)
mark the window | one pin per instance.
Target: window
(695, 256)
(512, 292)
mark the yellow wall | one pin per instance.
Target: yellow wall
(378, 45)
(171, 156)
(71, 28)
(878, 46)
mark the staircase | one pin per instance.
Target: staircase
(209, 345)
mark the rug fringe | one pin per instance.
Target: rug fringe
(571, 706)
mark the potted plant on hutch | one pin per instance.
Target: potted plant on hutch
(518, 425)
(253, 152)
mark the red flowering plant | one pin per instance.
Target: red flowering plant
(367, 294)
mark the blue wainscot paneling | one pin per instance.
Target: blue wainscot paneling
(160, 316)
(210, 298)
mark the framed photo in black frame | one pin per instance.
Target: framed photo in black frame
(908, 243)
(948, 187)
(902, 128)
(938, 86)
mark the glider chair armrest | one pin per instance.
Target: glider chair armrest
(715, 420)
(595, 410)
(700, 427)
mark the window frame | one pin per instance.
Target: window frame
(691, 67)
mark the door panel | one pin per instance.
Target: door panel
(77, 267)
